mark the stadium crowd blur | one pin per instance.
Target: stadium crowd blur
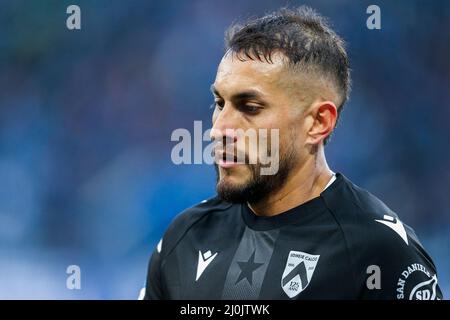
(86, 116)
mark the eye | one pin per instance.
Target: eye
(217, 104)
(250, 108)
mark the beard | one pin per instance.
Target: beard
(257, 186)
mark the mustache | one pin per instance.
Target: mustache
(223, 151)
(230, 155)
(230, 152)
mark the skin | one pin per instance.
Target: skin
(301, 105)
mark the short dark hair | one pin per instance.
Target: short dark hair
(303, 36)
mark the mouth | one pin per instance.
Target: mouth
(228, 164)
(226, 160)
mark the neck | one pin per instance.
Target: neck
(303, 184)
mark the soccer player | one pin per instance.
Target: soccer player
(303, 232)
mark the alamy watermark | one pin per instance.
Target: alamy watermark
(251, 146)
(73, 281)
(374, 20)
(73, 21)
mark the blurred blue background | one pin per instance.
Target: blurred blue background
(86, 117)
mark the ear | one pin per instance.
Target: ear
(324, 116)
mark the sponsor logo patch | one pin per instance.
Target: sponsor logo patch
(417, 283)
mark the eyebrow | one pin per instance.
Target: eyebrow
(244, 95)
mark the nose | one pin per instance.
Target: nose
(225, 123)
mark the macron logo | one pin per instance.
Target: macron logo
(204, 259)
(395, 225)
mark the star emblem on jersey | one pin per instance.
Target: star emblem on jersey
(298, 272)
(247, 268)
(204, 259)
(395, 225)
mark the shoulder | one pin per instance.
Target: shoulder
(187, 219)
(377, 239)
(192, 215)
(364, 217)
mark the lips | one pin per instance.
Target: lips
(226, 160)
(227, 165)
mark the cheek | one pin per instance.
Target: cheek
(292, 138)
(273, 136)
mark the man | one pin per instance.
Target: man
(303, 232)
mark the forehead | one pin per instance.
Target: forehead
(237, 74)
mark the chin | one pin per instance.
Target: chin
(234, 181)
(237, 175)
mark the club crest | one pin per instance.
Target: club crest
(298, 272)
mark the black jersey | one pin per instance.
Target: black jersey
(344, 244)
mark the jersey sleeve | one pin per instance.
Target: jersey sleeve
(163, 277)
(153, 287)
(156, 286)
(396, 267)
